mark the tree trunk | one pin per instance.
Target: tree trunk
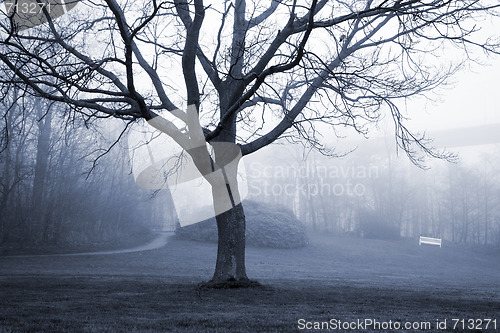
(230, 268)
(230, 265)
(6, 189)
(230, 217)
(39, 223)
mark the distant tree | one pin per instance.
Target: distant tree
(252, 72)
(488, 172)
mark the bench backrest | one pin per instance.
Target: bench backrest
(429, 240)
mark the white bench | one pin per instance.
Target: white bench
(429, 240)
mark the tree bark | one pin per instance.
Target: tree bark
(39, 223)
(230, 217)
(5, 182)
(230, 265)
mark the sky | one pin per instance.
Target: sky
(472, 101)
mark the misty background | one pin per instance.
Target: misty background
(62, 184)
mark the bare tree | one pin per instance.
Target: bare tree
(253, 71)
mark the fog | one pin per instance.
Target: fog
(64, 184)
(69, 185)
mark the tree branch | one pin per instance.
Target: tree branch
(191, 48)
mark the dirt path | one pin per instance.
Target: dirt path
(160, 241)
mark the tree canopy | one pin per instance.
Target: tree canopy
(259, 69)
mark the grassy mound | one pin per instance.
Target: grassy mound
(267, 226)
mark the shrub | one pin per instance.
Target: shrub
(267, 226)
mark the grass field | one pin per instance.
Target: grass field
(347, 279)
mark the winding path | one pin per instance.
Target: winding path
(158, 242)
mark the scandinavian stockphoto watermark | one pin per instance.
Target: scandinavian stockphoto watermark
(207, 179)
(309, 180)
(26, 14)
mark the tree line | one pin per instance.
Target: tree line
(54, 187)
(384, 195)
